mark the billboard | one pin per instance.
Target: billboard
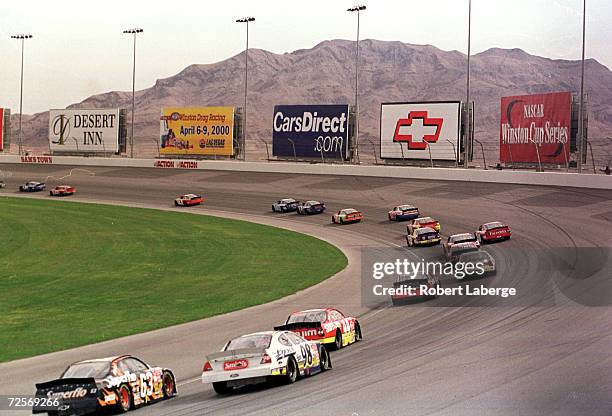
(532, 124)
(84, 130)
(412, 130)
(197, 131)
(311, 131)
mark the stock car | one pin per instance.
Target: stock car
(264, 356)
(475, 257)
(32, 186)
(458, 249)
(410, 289)
(62, 190)
(188, 200)
(120, 383)
(403, 212)
(423, 222)
(346, 216)
(493, 231)
(458, 239)
(285, 205)
(327, 325)
(311, 207)
(424, 236)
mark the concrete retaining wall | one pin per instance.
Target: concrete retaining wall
(446, 174)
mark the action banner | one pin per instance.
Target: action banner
(532, 124)
(197, 131)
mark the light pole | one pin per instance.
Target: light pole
(246, 20)
(21, 37)
(468, 144)
(134, 32)
(358, 9)
(581, 111)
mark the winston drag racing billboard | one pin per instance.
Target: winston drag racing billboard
(407, 130)
(84, 130)
(541, 120)
(311, 131)
(197, 131)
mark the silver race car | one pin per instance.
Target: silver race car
(264, 356)
(285, 205)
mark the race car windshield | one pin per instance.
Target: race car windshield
(349, 211)
(425, 231)
(82, 370)
(318, 316)
(249, 341)
(406, 208)
(426, 219)
(494, 225)
(475, 257)
(463, 237)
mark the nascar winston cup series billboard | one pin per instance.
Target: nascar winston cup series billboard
(408, 129)
(82, 130)
(541, 120)
(314, 130)
(197, 131)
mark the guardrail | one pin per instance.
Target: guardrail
(446, 174)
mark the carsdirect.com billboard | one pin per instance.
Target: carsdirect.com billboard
(532, 124)
(197, 131)
(84, 130)
(311, 131)
(407, 130)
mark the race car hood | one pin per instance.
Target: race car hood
(75, 396)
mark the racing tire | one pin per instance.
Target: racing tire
(273, 209)
(221, 387)
(325, 360)
(338, 340)
(176, 204)
(126, 401)
(291, 373)
(389, 215)
(358, 334)
(410, 242)
(169, 385)
(341, 221)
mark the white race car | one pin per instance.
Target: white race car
(264, 356)
(285, 205)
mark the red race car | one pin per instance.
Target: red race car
(347, 215)
(188, 200)
(493, 231)
(326, 325)
(423, 222)
(62, 190)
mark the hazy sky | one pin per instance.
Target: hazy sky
(78, 49)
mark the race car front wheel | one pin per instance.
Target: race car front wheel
(169, 385)
(358, 335)
(125, 399)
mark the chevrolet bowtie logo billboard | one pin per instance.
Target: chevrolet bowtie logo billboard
(416, 130)
(417, 138)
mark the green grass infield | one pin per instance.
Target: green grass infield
(73, 274)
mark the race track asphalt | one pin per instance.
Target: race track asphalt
(550, 353)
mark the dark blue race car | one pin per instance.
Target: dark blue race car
(311, 207)
(32, 187)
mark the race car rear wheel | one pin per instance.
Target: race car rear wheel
(221, 387)
(273, 209)
(125, 399)
(291, 372)
(169, 385)
(325, 362)
(338, 340)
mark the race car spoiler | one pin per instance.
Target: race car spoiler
(298, 325)
(235, 353)
(67, 396)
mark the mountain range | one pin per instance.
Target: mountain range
(389, 71)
